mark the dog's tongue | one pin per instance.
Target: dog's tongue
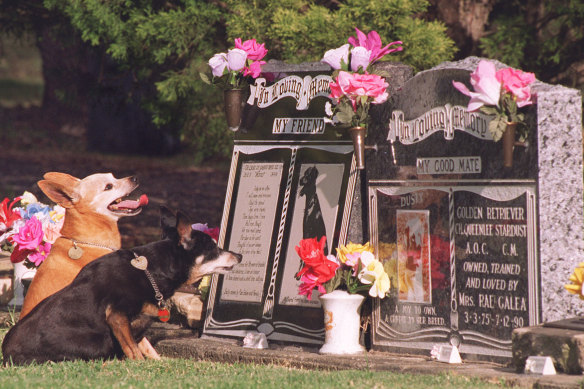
(133, 204)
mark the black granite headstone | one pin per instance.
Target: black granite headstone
(292, 177)
(457, 227)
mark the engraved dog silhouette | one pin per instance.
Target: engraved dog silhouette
(312, 223)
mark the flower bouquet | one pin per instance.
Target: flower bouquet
(355, 269)
(341, 281)
(353, 88)
(29, 230)
(500, 93)
(233, 71)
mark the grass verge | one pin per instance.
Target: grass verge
(186, 373)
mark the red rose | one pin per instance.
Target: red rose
(311, 251)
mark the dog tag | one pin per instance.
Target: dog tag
(163, 315)
(75, 252)
(140, 262)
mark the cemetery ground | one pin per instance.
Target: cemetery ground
(27, 153)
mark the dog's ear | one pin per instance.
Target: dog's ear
(184, 226)
(60, 188)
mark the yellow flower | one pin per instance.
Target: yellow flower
(374, 274)
(577, 278)
(57, 213)
(205, 282)
(351, 248)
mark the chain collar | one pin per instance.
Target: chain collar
(76, 242)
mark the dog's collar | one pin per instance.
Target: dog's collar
(76, 252)
(140, 262)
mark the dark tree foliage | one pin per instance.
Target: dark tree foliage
(131, 67)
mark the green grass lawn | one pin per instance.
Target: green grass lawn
(185, 373)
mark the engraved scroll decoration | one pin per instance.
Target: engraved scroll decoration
(269, 302)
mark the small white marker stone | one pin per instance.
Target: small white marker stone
(539, 365)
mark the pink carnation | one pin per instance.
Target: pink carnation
(309, 282)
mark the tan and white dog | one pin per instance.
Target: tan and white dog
(93, 206)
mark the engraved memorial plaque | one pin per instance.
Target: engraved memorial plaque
(464, 260)
(254, 215)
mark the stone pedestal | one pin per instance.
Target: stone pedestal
(188, 308)
(564, 346)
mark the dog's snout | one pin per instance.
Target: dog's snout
(134, 179)
(238, 256)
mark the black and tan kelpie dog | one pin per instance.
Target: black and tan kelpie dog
(100, 314)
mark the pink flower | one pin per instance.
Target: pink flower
(236, 59)
(372, 42)
(360, 58)
(353, 85)
(254, 51)
(30, 235)
(517, 82)
(203, 227)
(335, 57)
(309, 282)
(254, 69)
(487, 87)
(37, 257)
(52, 230)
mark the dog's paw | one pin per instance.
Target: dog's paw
(147, 349)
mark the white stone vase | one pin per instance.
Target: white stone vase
(342, 323)
(21, 272)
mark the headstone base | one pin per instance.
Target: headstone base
(565, 347)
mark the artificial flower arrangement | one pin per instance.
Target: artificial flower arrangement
(29, 230)
(354, 88)
(355, 269)
(232, 70)
(500, 93)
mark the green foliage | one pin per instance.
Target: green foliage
(298, 31)
(161, 43)
(546, 37)
(165, 44)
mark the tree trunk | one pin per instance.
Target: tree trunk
(64, 68)
(466, 21)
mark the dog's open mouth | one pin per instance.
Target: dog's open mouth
(127, 206)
